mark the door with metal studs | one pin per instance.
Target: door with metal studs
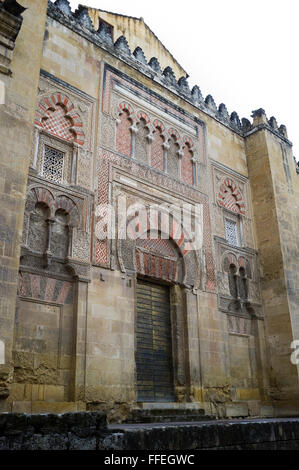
(154, 365)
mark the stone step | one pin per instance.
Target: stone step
(168, 405)
(164, 415)
(169, 411)
(169, 419)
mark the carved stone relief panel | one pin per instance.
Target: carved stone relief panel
(84, 168)
(81, 245)
(107, 131)
(149, 253)
(159, 187)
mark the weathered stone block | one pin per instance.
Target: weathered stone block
(21, 407)
(53, 393)
(235, 410)
(53, 407)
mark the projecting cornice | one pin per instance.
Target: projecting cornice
(10, 25)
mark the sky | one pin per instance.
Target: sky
(245, 54)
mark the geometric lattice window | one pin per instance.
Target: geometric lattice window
(53, 164)
(231, 232)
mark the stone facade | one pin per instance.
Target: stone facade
(89, 120)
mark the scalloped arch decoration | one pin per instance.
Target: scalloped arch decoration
(125, 107)
(159, 124)
(174, 132)
(187, 141)
(144, 116)
(230, 197)
(56, 114)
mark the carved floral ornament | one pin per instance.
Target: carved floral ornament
(229, 197)
(56, 115)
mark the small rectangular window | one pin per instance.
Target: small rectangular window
(53, 164)
(231, 232)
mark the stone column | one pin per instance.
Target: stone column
(81, 272)
(179, 344)
(193, 347)
(80, 342)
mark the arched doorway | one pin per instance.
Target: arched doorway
(164, 269)
(159, 265)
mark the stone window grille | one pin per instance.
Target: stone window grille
(53, 164)
(231, 232)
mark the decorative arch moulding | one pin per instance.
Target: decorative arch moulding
(56, 115)
(229, 259)
(156, 123)
(144, 116)
(181, 264)
(41, 194)
(178, 235)
(122, 85)
(174, 132)
(125, 107)
(187, 141)
(159, 124)
(229, 197)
